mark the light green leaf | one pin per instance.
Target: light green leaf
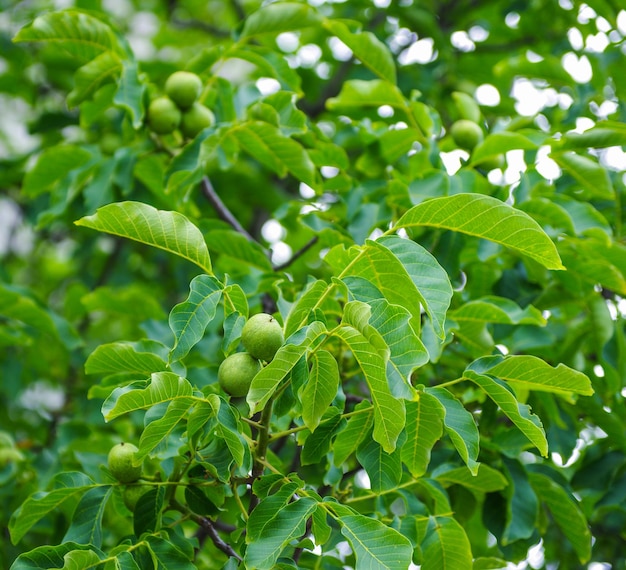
(496, 144)
(167, 555)
(389, 412)
(424, 427)
(86, 527)
(460, 426)
(81, 559)
(488, 218)
(357, 93)
(123, 357)
(430, 279)
(375, 545)
(320, 389)
(104, 68)
(38, 505)
(500, 310)
(591, 175)
(271, 64)
(229, 429)
(77, 33)
(130, 93)
(520, 414)
(604, 134)
(286, 524)
(279, 153)
(232, 243)
(164, 386)
(55, 557)
(169, 231)
(466, 106)
(445, 545)
(566, 513)
(308, 300)
(356, 431)
(189, 319)
(267, 380)
(532, 373)
(278, 18)
(548, 214)
(366, 47)
(317, 444)
(485, 480)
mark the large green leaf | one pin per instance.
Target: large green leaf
(485, 217)
(104, 68)
(306, 303)
(445, 545)
(38, 505)
(356, 94)
(320, 389)
(357, 429)
(499, 310)
(166, 554)
(86, 527)
(375, 545)
(189, 319)
(365, 46)
(79, 34)
(169, 231)
(522, 507)
(279, 17)
(520, 414)
(124, 357)
(130, 93)
(498, 143)
(68, 555)
(485, 480)
(604, 134)
(383, 469)
(591, 175)
(235, 245)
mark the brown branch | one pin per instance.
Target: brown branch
(297, 254)
(199, 25)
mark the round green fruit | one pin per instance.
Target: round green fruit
(132, 494)
(236, 372)
(120, 462)
(262, 336)
(163, 116)
(183, 87)
(195, 119)
(466, 134)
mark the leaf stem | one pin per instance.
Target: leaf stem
(451, 382)
(261, 448)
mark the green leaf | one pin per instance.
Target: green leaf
(81, 559)
(130, 93)
(375, 545)
(278, 18)
(318, 443)
(520, 414)
(32, 510)
(320, 389)
(166, 555)
(460, 426)
(229, 429)
(124, 357)
(496, 144)
(79, 34)
(164, 386)
(356, 94)
(267, 380)
(274, 530)
(86, 527)
(103, 69)
(485, 480)
(356, 431)
(522, 504)
(488, 218)
(169, 231)
(424, 427)
(389, 412)
(49, 557)
(604, 134)
(189, 319)
(52, 166)
(566, 513)
(383, 469)
(279, 153)
(500, 310)
(156, 431)
(271, 64)
(147, 513)
(306, 303)
(591, 175)
(366, 47)
(445, 545)
(466, 106)
(532, 373)
(430, 279)
(232, 243)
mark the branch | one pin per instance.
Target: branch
(199, 25)
(261, 450)
(297, 254)
(331, 88)
(222, 211)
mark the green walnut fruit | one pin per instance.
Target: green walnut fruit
(466, 134)
(163, 116)
(120, 462)
(262, 336)
(236, 372)
(195, 119)
(132, 494)
(184, 88)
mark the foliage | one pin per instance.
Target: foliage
(450, 390)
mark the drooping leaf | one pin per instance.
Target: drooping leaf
(189, 319)
(231, 243)
(47, 557)
(376, 545)
(317, 444)
(305, 304)
(357, 93)
(591, 175)
(485, 480)
(103, 69)
(86, 527)
(281, 17)
(140, 222)
(496, 144)
(522, 503)
(168, 555)
(445, 546)
(492, 309)
(356, 431)
(320, 389)
(130, 93)
(120, 357)
(384, 469)
(485, 217)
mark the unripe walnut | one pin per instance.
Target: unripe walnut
(466, 134)
(184, 88)
(196, 119)
(163, 116)
(120, 463)
(262, 336)
(236, 372)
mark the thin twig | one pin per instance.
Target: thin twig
(222, 211)
(203, 26)
(297, 254)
